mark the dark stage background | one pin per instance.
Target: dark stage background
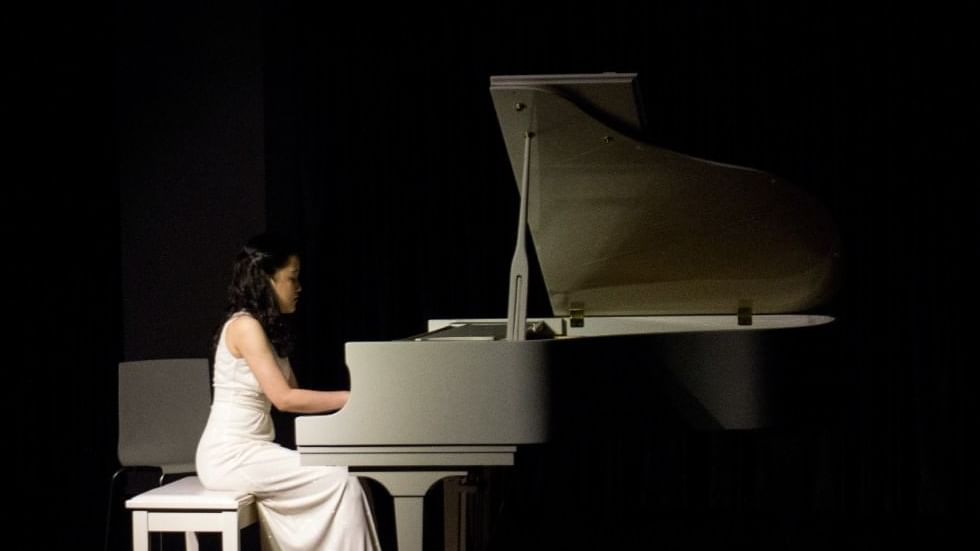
(151, 139)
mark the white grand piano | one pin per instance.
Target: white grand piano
(682, 285)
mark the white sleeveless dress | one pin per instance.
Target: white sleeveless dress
(301, 508)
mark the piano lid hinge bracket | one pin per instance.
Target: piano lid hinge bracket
(576, 314)
(745, 312)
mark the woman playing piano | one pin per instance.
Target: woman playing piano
(300, 507)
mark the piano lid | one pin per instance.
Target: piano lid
(627, 228)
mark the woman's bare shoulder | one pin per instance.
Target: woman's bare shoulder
(243, 328)
(244, 323)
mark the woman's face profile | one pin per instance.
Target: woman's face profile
(285, 283)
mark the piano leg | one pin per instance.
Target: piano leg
(456, 492)
(408, 489)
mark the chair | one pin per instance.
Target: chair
(163, 407)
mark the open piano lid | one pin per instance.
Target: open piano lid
(622, 227)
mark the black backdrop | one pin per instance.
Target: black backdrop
(380, 150)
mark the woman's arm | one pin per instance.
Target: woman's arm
(246, 339)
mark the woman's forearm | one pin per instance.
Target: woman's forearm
(299, 400)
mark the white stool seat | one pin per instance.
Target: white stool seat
(186, 506)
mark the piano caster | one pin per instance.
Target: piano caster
(407, 489)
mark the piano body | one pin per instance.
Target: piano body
(676, 286)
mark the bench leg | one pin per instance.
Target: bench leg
(229, 531)
(141, 535)
(190, 541)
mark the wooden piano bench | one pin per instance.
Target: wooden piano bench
(186, 506)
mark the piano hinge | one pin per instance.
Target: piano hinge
(745, 312)
(576, 314)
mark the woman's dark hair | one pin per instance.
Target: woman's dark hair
(251, 290)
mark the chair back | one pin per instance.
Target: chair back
(163, 407)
